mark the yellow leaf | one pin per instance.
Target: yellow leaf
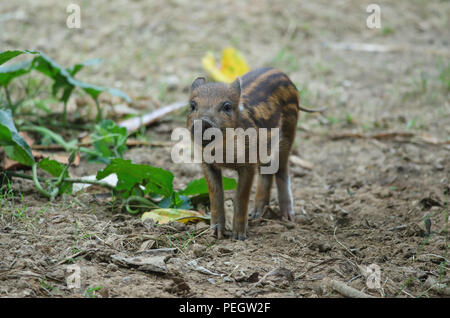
(164, 216)
(232, 65)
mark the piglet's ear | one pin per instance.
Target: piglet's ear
(236, 87)
(197, 82)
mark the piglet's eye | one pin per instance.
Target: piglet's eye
(226, 107)
(193, 105)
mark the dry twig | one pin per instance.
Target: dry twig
(344, 289)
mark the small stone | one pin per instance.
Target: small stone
(201, 226)
(198, 250)
(112, 267)
(104, 292)
(322, 247)
(210, 239)
(239, 293)
(303, 220)
(289, 225)
(385, 193)
(22, 284)
(26, 293)
(126, 279)
(178, 226)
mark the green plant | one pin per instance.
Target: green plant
(63, 78)
(138, 185)
(20, 211)
(56, 169)
(17, 149)
(90, 291)
(6, 190)
(349, 119)
(47, 287)
(8, 73)
(411, 123)
(152, 187)
(14, 145)
(109, 141)
(387, 30)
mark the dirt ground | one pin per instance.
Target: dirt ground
(366, 200)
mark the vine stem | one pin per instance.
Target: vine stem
(36, 182)
(146, 204)
(99, 111)
(64, 119)
(8, 97)
(58, 139)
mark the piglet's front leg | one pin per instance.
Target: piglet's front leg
(243, 190)
(213, 178)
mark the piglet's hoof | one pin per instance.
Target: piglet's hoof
(256, 213)
(216, 232)
(288, 216)
(239, 236)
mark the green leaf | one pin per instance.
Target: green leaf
(94, 90)
(129, 175)
(199, 186)
(55, 168)
(49, 67)
(60, 75)
(176, 201)
(15, 146)
(64, 77)
(182, 202)
(78, 67)
(109, 140)
(7, 55)
(8, 73)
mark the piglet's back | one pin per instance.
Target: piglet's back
(267, 95)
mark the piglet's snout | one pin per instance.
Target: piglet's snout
(198, 131)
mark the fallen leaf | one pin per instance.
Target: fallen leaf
(164, 216)
(233, 65)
